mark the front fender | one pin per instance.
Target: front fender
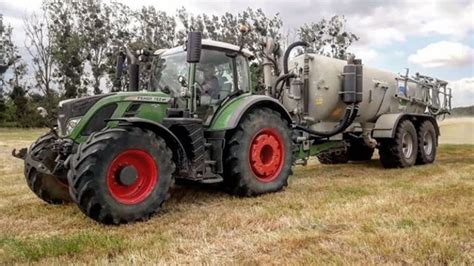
(228, 116)
(179, 153)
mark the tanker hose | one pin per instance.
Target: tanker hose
(349, 117)
(287, 55)
(277, 82)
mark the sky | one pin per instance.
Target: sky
(432, 37)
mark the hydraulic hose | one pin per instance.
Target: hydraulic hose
(281, 78)
(287, 55)
(349, 117)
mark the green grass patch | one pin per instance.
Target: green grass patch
(31, 250)
(405, 223)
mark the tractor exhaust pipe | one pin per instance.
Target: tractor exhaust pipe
(133, 70)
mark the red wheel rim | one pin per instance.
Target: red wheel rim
(266, 154)
(145, 179)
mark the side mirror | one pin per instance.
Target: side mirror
(193, 47)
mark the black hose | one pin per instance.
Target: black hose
(280, 79)
(349, 117)
(280, 91)
(287, 55)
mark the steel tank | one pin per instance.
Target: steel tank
(380, 91)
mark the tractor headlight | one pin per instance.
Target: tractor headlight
(71, 124)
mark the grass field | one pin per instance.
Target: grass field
(354, 213)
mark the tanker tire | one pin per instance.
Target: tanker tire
(358, 151)
(50, 188)
(333, 156)
(392, 151)
(240, 176)
(89, 174)
(427, 143)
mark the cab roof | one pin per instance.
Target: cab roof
(208, 43)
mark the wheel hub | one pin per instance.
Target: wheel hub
(128, 175)
(428, 143)
(407, 145)
(132, 176)
(266, 155)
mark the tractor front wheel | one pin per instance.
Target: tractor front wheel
(259, 154)
(121, 175)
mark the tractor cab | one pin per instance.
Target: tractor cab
(221, 72)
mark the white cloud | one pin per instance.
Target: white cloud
(366, 54)
(401, 20)
(442, 54)
(463, 92)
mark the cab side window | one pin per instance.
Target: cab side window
(214, 75)
(242, 73)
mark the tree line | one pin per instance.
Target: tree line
(71, 48)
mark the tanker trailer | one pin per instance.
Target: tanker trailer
(362, 108)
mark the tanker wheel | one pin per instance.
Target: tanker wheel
(333, 156)
(258, 154)
(427, 143)
(121, 175)
(401, 151)
(359, 151)
(50, 188)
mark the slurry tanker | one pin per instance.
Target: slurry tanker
(116, 155)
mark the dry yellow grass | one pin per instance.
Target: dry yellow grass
(354, 213)
(459, 130)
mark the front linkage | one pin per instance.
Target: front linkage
(44, 167)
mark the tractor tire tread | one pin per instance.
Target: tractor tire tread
(82, 176)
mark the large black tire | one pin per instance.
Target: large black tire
(401, 151)
(96, 170)
(50, 188)
(427, 143)
(333, 156)
(359, 151)
(258, 156)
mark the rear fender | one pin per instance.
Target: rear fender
(228, 117)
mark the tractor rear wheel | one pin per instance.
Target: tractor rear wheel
(427, 143)
(401, 151)
(258, 154)
(121, 175)
(50, 188)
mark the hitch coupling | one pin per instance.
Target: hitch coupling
(21, 154)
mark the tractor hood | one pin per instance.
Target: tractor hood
(72, 109)
(78, 118)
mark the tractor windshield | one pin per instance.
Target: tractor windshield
(166, 71)
(218, 73)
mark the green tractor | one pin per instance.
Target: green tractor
(117, 155)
